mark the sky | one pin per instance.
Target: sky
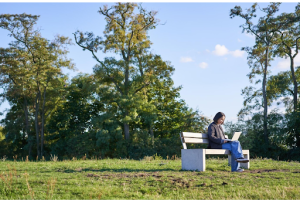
(199, 39)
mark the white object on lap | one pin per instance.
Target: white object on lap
(235, 137)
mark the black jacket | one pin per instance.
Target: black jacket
(215, 135)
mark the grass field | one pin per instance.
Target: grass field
(147, 179)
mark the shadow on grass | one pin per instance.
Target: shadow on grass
(118, 170)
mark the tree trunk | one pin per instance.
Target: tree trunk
(295, 100)
(294, 82)
(126, 124)
(265, 103)
(26, 116)
(37, 100)
(126, 130)
(151, 133)
(29, 139)
(42, 128)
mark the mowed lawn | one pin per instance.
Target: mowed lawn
(147, 179)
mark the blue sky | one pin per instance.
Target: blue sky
(199, 39)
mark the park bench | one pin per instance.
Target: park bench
(194, 159)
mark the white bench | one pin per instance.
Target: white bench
(194, 159)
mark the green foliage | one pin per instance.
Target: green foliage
(281, 85)
(70, 124)
(288, 45)
(109, 136)
(30, 71)
(2, 135)
(274, 36)
(14, 131)
(292, 132)
(283, 136)
(135, 69)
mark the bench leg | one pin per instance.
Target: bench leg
(193, 159)
(246, 165)
(229, 160)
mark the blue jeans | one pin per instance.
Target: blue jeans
(236, 152)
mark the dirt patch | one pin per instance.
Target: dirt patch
(266, 170)
(276, 177)
(181, 182)
(128, 175)
(176, 181)
(210, 185)
(92, 175)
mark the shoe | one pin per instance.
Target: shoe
(242, 160)
(239, 170)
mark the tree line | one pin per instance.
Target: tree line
(129, 106)
(270, 133)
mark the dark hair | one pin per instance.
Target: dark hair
(218, 116)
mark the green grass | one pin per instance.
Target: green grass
(147, 179)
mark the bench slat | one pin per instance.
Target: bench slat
(195, 140)
(222, 151)
(217, 151)
(194, 135)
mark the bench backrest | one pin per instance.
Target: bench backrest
(195, 138)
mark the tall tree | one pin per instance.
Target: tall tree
(135, 67)
(288, 43)
(44, 59)
(265, 35)
(15, 81)
(253, 97)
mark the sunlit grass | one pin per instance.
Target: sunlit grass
(147, 179)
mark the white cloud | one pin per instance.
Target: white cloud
(220, 50)
(297, 59)
(284, 64)
(283, 98)
(203, 65)
(186, 59)
(239, 40)
(237, 53)
(280, 108)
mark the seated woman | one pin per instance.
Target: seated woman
(216, 141)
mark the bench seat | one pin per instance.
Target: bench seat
(194, 159)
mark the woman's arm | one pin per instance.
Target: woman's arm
(212, 135)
